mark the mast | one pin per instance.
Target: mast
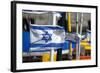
(52, 49)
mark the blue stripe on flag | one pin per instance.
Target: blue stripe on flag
(47, 28)
(48, 45)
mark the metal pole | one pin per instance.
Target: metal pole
(77, 23)
(69, 30)
(77, 44)
(80, 35)
(81, 24)
(52, 49)
(69, 22)
(51, 54)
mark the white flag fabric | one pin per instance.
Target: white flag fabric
(47, 37)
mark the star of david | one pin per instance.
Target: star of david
(46, 37)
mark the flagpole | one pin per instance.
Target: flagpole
(80, 34)
(77, 44)
(52, 49)
(78, 47)
(81, 24)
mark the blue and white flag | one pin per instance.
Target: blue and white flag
(46, 37)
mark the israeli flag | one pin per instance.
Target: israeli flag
(46, 37)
